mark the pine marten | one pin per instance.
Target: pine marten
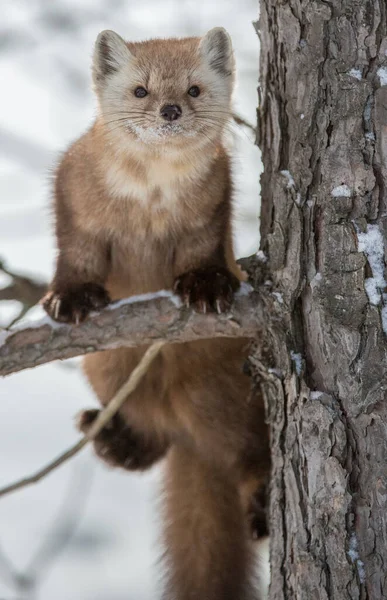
(143, 202)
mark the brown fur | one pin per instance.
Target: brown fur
(140, 207)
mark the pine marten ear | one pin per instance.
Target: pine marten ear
(216, 48)
(110, 54)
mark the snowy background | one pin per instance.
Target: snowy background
(110, 519)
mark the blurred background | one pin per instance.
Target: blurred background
(84, 532)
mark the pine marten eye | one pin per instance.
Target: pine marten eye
(194, 91)
(140, 92)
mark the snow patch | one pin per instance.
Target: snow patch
(277, 372)
(297, 359)
(341, 191)
(302, 116)
(279, 297)
(370, 135)
(316, 280)
(290, 180)
(35, 324)
(353, 554)
(315, 395)
(371, 243)
(261, 256)
(356, 73)
(382, 74)
(145, 297)
(244, 290)
(372, 291)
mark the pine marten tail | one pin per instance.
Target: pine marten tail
(208, 552)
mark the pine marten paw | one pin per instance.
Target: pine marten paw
(207, 289)
(117, 444)
(75, 303)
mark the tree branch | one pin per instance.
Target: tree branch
(104, 417)
(132, 322)
(25, 290)
(21, 288)
(241, 121)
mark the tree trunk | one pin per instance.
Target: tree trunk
(323, 135)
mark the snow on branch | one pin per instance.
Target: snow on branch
(131, 322)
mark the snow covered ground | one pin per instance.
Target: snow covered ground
(46, 102)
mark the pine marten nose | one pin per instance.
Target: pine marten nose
(171, 112)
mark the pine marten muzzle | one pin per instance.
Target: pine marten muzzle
(142, 203)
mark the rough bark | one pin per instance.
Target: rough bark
(129, 323)
(323, 120)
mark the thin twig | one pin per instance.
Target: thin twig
(104, 416)
(241, 121)
(64, 524)
(24, 289)
(26, 582)
(7, 570)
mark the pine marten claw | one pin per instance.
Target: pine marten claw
(207, 289)
(72, 305)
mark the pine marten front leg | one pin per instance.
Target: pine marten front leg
(119, 445)
(203, 265)
(82, 263)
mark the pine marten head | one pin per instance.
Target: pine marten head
(164, 91)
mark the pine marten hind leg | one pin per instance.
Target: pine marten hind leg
(119, 445)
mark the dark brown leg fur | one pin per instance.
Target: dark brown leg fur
(210, 288)
(119, 446)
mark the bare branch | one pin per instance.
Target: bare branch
(63, 526)
(25, 582)
(104, 417)
(25, 290)
(21, 288)
(133, 322)
(241, 121)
